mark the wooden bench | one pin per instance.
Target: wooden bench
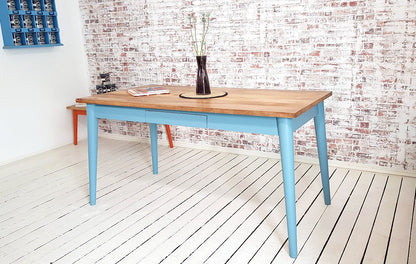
(82, 110)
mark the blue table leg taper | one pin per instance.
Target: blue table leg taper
(285, 128)
(153, 142)
(92, 151)
(319, 120)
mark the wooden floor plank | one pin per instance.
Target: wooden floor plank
(276, 236)
(265, 169)
(68, 181)
(198, 213)
(309, 218)
(56, 217)
(309, 253)
(412, 242)
(211, 204)
(155, 206)
(44, 165)
(400, 235)
(340, 235)
(380, 234)
(254, 237)
(37, 162)
(141, 239)
(116, 198)
(58, 204)
(224, 251)
(206, 235)
(355, 246)
(56, 183)
(202, 206)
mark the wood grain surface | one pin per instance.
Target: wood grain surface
(255, 102)
(74, 107)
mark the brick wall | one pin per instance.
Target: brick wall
(363, 51)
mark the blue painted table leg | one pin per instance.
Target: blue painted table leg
(319, 120)
(153, 141)
(92, 151)
(287, 153)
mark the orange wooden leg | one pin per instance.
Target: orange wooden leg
(75, 122)
(75, 114)
(169, 135)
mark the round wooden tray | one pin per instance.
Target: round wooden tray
(193, 95)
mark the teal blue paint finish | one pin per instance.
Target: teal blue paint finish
(6, 28)
(153, 142)
(121, 113)
(32, 46)
(178, 118)
(288, 164)
(44, 34)
(240, 123)
(92, 123)
(305, 117)
(250, 124)
(320, 131)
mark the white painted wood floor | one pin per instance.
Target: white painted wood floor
(203, 206)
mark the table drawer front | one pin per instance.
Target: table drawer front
(120, 113)
(250, 124)
(176, 118)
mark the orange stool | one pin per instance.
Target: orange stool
(82, 110)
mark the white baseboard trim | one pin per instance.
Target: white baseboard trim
(271, 155)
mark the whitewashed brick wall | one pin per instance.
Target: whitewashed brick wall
(363, 51)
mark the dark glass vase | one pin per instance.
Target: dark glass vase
(202, 81)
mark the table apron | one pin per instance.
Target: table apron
(240, 123)
(305, 117)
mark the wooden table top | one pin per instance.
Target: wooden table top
(254, 102)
